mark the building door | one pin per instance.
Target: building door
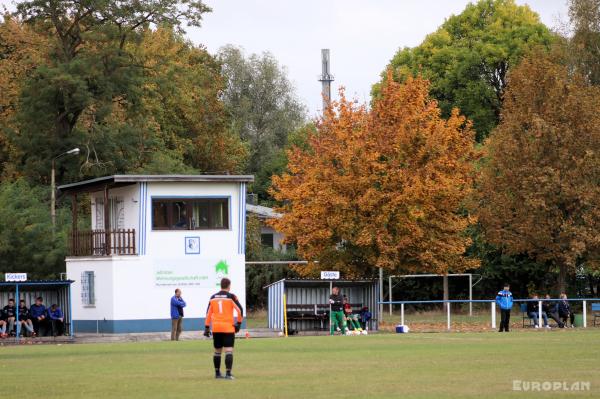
(116, 208)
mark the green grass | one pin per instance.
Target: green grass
(444, 365)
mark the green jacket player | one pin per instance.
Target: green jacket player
(337, 319)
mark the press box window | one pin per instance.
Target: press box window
(190, 214)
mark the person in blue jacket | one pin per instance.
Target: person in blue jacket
(504, 300)
(57, 320)
(38, 313)
(177, 305)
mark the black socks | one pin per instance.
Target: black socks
(228, 361)
(217, 362)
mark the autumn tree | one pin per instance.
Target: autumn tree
(538, 190)
(21, 51)
(467, 59)
(381, 188)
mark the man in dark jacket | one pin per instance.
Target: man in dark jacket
(336, 301)
(10, 314)
(25, 319)
(38, 314)
(177, 305)
(533, 311)
(551, 309)
(2, 324)
(564, 310)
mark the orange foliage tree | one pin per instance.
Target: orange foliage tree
(381, 187)
(539, 189)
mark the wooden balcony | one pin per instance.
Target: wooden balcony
(102, 242)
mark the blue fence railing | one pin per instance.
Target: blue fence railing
(492, 302)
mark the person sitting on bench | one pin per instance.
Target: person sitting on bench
(365, 316)
(551, 310)
(56, 320)
(38, 314)
(351, 320)
(25, 319)
(10, 313)
(564, 310)
(533, 312)
(2, 324)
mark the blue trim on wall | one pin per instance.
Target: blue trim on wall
(242, 219)
(136, 326)
(141, 202)
(145, 218)
(142, 217)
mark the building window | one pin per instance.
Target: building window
(87, 289)
(190, 214)
(266, 240)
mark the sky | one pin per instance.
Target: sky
(362, 35)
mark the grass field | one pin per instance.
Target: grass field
(444, 365)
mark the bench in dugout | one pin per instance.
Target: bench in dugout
(297, 314)
(316, 314)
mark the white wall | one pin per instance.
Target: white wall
(104, 287)
(138, 297)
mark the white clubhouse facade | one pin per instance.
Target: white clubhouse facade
(149, 235)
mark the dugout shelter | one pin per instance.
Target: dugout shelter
(52, 292)
(307, 302)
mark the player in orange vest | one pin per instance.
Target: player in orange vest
(220, 315)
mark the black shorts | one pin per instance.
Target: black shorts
(223, 340)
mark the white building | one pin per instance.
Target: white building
(269, 237)
(148, 236)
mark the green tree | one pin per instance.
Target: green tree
(263, 109)
(468, 57)
(91, 70)
(26, 240)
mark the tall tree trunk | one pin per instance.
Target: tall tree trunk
(562, 278)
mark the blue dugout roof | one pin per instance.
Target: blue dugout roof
(36, 283)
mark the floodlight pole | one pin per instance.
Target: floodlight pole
(74, 151)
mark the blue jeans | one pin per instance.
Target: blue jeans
(534, 316)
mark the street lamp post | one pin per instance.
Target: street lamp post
(74, 151)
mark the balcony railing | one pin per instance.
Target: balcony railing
(102, 242)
